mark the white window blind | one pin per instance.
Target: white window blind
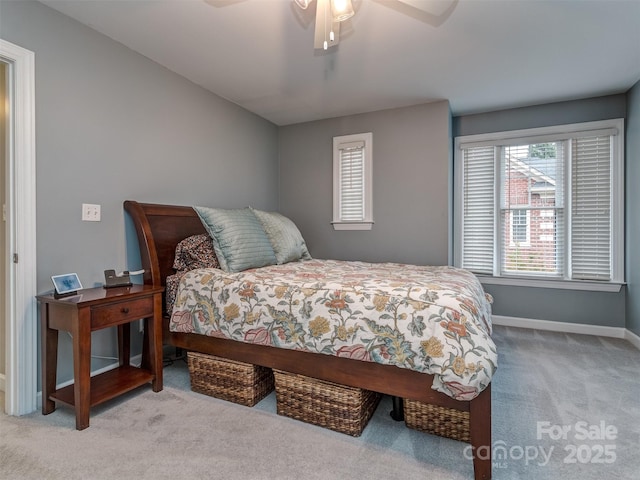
(548, 206)
(478, 210)
(591, 208)
(352, 182)
(352, 189)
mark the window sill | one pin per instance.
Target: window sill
(554, 284)
(352, 225)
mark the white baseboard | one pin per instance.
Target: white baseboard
(614, 332)
(2, 382)
(633, 338)
(134, 361)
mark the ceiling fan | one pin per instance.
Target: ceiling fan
(330, 13)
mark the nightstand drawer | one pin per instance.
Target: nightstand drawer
(116, 313)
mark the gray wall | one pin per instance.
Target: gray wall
(633, 207)
(112, 125)
(591, 308)
(411, 185)
(559, 113)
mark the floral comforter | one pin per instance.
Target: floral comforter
(433, 320)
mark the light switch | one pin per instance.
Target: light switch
(90, 212)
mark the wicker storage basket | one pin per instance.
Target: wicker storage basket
(236, 382)
(337, 407)
(442, 421)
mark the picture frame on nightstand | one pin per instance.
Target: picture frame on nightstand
(66, 284)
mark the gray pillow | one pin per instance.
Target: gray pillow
(239, 240)
(285, 238)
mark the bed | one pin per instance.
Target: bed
(160, 228)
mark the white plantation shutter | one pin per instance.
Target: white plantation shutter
(352, 178)
(591, 208)
(352, 182)
(478, 209)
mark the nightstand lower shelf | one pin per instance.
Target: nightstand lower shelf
(107, 385)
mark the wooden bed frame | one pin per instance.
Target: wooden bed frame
(161, 227)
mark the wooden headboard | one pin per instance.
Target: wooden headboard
(160, 228)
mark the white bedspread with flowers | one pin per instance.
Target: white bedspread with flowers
(434, 320)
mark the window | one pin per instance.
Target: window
(542, 205)
(352, 182)
(520, 227)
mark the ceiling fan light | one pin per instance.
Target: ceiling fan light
(341, 10)
(303, 4)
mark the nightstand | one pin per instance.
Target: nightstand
(94, 309)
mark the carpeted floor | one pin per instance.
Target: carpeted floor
(564, 407)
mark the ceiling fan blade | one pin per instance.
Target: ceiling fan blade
(432, 7)
(303, 4)
(222, 3)
(324, 26)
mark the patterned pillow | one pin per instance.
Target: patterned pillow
(285, 238)
(191, 253)
(172, 282)
(239, 240)
(195, 252)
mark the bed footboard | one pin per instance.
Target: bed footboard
(480, 431)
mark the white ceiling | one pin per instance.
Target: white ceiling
(481, 55)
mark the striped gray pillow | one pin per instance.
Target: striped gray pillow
(285, 238)
(239, 240)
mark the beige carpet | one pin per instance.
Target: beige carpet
(543, 377)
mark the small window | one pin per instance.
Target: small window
(352, 182)
(520, 227)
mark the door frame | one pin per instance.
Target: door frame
(21, 273)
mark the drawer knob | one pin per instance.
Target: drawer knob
(125, 310)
